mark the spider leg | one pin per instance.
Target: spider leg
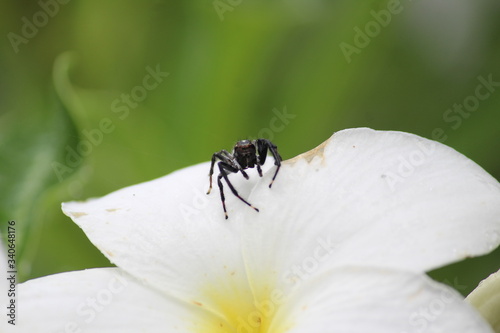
(262, 146)
(259, 169)
(222, 197)
(211, 172)
(275, 174)
(224, 168)
(222, 155)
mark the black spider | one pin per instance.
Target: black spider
(246, 154)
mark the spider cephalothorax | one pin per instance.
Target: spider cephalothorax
(246, 154)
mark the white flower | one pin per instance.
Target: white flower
(486, 298)
(340, 244)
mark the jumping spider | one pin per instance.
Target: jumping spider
(246, 154)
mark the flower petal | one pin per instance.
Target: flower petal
(4, 283)
(486, 299)
(363, 197)
(371, 198)
(377, 300)
(172, 236)
(103, 300)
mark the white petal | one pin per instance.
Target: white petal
(102, 300)
(4, 283)
(172, 236)
(377, 300)
(329, 207)
(486, 299)
(335, 206)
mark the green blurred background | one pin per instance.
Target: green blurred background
(236, 69)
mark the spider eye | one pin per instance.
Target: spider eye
(243, 143)
(244, 147)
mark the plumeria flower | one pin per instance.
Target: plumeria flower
(486, 298)
(340, 244)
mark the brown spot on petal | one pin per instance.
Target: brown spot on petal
(111, 210)
(197, 303)
(309, 155)
(415, 294)
(78, 214)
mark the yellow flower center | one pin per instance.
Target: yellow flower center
(239, 308)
